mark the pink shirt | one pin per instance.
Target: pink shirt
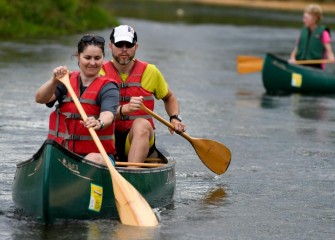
(325, 39)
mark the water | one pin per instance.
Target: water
(280, 184)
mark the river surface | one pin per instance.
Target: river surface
(281, 180)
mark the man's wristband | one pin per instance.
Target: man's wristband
(178, 117)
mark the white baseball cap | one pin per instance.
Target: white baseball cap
(123, 33)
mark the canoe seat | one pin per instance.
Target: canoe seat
(151, 161)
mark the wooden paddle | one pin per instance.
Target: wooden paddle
(250, 64)
(214, 155)
(133, 209)
(145, 165)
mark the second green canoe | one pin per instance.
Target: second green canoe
(279, 77)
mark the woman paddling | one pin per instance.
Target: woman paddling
(98, 95)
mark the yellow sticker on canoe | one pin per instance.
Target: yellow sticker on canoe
(96, 198)
(296, 80)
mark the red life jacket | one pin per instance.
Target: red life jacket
(131, 88)
(65, 126)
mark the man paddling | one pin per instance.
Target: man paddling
(139, 82)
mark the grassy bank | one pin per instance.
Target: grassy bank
(21, 19)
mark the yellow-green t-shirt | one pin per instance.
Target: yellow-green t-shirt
(152, 81)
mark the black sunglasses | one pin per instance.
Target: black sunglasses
(94, 39)
(124, 43)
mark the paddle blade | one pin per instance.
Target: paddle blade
(249, 64)
(213, 154)
(133, 209)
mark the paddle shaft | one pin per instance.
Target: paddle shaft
(98, 142)
(162, 120)
(316, 61)
(91, 130)
(132, 207)
(213, 154)
(250, 64)
(252, 59)
(147, 165)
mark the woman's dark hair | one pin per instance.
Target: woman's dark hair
(91, 40)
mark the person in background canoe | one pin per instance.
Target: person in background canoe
(315, 40)
(98, 95)
(139, 83)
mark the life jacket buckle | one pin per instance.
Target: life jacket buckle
(124, 98)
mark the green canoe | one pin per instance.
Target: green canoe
(58, 184)
(279, 77)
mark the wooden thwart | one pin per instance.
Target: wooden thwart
(144, 165)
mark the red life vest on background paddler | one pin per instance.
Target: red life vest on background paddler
(65, 126)
(131, 88)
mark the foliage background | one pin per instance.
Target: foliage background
(46, 18)
(29, 19)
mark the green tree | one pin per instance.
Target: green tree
(46, 18)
